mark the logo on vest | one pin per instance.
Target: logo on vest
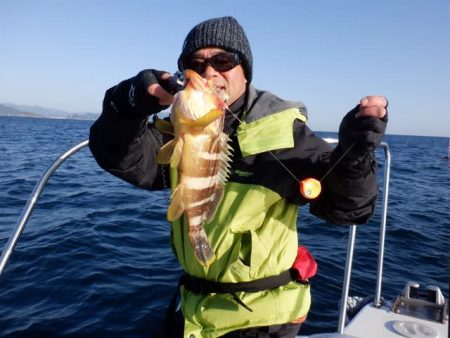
(243, 173)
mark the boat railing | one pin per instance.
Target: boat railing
(32, 200)
(26, 213)
(351, 244)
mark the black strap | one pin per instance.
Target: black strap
(169, 327)
(204, 286)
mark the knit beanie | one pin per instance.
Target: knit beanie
(225, 33)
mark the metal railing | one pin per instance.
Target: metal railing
(351, 246)
(26, 213)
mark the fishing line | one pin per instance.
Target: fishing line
(270, 152)
(339, 160)
(310, 188)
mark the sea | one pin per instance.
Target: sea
(95, 261)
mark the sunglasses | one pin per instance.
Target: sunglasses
(221, 62)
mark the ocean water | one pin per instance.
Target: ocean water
(95, 258)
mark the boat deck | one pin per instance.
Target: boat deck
(373, 322)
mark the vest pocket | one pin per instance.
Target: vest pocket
(253, 260)
(239, 265)
(246, 248)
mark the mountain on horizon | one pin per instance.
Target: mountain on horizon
(10, 109)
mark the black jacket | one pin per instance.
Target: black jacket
(126, 145)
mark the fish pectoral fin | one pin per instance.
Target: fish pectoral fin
(176, 207)
(165, 153)
(164, 126)
(206, 119)
(170, 153)
(176, 154)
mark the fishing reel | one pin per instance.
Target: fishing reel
(174, 83)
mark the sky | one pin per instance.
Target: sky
(326, 53)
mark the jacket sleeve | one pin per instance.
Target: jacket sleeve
(349, 189)
(126, 145)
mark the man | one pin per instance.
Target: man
(254, 233)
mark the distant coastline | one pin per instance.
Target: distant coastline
(13, 110)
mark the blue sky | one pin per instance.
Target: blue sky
(325, 53)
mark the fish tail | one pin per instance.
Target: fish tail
(202, 249)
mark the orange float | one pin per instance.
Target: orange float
(310, 188)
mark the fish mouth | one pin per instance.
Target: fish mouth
(193, 80)
(222, 92)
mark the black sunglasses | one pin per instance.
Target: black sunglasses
(221, 62)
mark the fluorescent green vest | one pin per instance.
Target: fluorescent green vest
(253, 235)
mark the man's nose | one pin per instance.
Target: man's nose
(209, 72)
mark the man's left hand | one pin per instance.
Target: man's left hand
(375, 106)
(364, 126)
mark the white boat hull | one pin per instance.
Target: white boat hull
(372, 322)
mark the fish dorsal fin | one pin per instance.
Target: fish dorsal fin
(225, 158)
(205, 120)
(222, 175)
(176, 207)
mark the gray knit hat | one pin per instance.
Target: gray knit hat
(226, 33)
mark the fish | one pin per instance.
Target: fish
(201, 153)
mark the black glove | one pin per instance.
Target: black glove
(362, 134)
(130, 97)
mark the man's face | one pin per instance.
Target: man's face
(230, 84)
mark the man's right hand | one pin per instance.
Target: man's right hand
(147, 91)
(143, 95)
(159, 89)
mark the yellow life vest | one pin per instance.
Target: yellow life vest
(253, 235)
